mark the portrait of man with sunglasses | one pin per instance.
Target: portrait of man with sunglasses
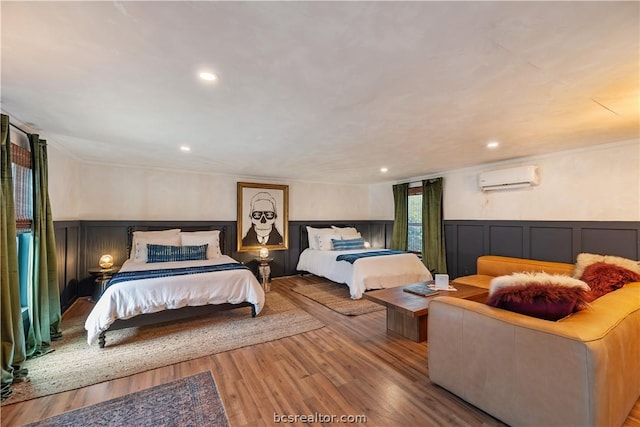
(263, 215)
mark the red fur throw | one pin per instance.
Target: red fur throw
(541, 295)
(603, 278)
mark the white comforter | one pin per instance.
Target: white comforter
(128, 299)
(375, 272)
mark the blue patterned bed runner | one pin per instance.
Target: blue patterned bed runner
(351, 258)
(169, 272)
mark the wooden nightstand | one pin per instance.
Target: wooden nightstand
(103, 275)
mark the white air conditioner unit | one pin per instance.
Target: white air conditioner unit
(506, 179)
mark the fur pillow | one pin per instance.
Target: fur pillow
(542, 295)
(603, 278)
(586, 259)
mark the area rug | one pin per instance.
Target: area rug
(74, 364)
(192, 401)
(337, 297)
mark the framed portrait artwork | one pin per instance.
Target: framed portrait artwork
(262, 216)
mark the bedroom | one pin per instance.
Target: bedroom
(596, 181)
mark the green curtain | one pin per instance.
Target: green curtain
(434, 253)
(401, 217)
(44, 298)
(13, 343)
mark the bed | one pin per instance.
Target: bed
(154, 287)
(368, 268)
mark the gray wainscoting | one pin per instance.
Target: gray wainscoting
(81, 243)
(559, 241)
(67, 238)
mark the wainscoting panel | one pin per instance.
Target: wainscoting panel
(551, 244)
(559, 241)
(506, 240)
(470, 244)
(67, 239)
(621, 242)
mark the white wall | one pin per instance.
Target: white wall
(112, 192)
(600, 183)
(64, 179)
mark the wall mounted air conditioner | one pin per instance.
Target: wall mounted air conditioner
(506, 179)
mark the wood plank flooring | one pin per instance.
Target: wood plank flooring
(351, 367)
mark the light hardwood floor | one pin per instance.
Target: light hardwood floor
(350, 367)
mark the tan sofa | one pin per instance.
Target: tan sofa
(583, 370)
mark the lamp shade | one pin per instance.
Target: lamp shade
(264, 252)
(106, 261)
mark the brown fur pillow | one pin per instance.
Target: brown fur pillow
(541, 295)
(586, 259)
(603, 278)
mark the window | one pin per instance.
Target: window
(22, 182)
(414, 239)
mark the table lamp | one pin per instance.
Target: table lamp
(264, 253)
(106, 261)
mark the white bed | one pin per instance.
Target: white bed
(375, 272)
(128, 299)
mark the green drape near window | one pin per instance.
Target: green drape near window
(44, 298)
(434, 253)
(401, 217)
(13, 343)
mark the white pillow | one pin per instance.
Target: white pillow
(150, 234)
(345, 231)
(140, 249)
(324, 241)
(313, 232)
(197, 238)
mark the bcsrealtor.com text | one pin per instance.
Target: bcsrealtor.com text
(318, 418)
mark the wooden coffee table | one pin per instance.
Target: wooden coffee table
(407, 313)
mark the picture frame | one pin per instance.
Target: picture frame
(263, 216)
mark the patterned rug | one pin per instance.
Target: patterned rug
(192, 401)
(337, 298)
(74, 364)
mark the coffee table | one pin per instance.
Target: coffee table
(407, 313)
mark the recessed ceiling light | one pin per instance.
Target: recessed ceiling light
(208, 76)
(384, 170)
(493, 144)
(185, 148)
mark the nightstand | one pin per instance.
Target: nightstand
(103, 275)
(264, 269)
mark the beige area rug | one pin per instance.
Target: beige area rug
(337, 298)
(74, 364)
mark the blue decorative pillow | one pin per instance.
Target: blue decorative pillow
(345, 244)
(163, 253)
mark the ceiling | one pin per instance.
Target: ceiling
(321, 91)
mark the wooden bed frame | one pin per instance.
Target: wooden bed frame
(171, 315)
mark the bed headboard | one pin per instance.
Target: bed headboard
(131, 229)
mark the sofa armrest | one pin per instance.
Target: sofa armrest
(583, 370)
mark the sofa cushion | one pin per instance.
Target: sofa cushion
(603, 278)
(541, 295)
(477, 280)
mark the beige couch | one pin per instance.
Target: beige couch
(583, 370)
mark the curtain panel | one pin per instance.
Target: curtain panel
(434, 254)
(13, 343)
(399, 239)
(44, 302)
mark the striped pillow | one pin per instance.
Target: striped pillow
(345, 244)
(164, 253)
